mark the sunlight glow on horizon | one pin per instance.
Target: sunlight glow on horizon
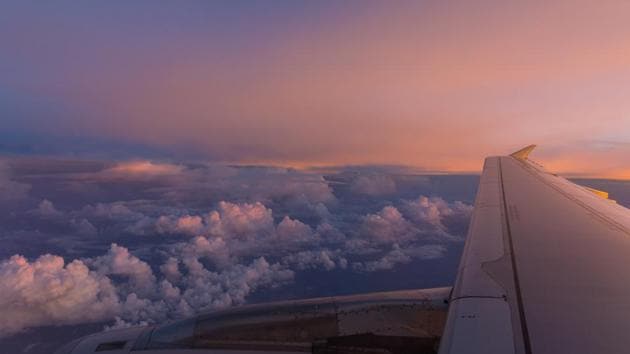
(435, 85)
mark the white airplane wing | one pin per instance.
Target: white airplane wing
(546, 267)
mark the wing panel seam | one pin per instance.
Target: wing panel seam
(519, 297)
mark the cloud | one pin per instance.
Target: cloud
(435, 211)
(324, 258)
(141, 169)
(120, 286)
(240, 220)
(373, 185)
(200, 236)
(243, 228)
(290, 230)
(48, 210)
(388, 226)
(48, 291)
(118, 261)
(111, 211)
(418, 233)
(398, 255)
(170, 269)
(219, 265)
(83, 227)
(11, 190)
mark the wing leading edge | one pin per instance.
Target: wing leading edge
(543, 267)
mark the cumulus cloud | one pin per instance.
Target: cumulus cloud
(388, 226)
(228, 220)
(240, 228)
(118, 261)
(240, 220)
(324, 258)
(290, 230)
(206, 237)
(196, 183)
(434, 210)
(120, 286)
(48, 291)
(410, 234)
(219, 265)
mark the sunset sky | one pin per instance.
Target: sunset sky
(432, 84)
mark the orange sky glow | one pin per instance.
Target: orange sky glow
(438, 85)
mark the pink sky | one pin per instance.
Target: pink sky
(438, 85)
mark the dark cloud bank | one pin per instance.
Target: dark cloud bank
(106, 244)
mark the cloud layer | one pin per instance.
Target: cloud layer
(146, 242)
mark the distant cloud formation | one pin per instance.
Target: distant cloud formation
(10, 190)
(145, 242)
(48, 291)
(376, 184)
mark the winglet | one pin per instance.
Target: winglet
(523, 153)
(597, 192)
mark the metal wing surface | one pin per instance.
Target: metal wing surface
(546, 267)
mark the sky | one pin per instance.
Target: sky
(436, 85)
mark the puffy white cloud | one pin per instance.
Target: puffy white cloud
(230, 220)
(47, 291)
(118, 261)
(434, 210)
(225, 251)
(295, 188)
(434, 216)
(187, 224)
(240, 229)
(120, 286)
(388, 226)
(217, 290)
(290, 230)
(190, 224)
(240, 220)
(214, 249)
(170, 269)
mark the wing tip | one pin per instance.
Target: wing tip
(523, 153)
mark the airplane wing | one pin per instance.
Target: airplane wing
(544, 267)
(543, 271)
